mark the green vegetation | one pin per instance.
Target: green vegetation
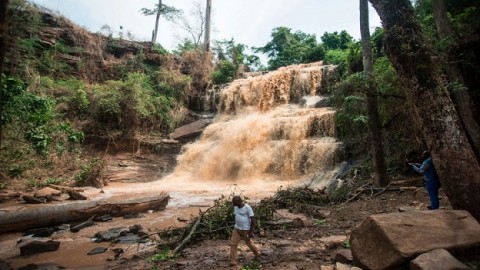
(287, 48)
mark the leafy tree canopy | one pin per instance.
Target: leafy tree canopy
(287, 48)
(335, 40)
(168, 12)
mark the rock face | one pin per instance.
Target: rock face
(387, 241)
(437, 259)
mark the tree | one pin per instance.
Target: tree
(430, 104)
(3, 41)
(207, 25)
(194, 25)
(374, 124)
(287, 48)
(170, 13)
(336, 41)
(460, 95)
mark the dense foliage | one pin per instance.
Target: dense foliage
(287, 48)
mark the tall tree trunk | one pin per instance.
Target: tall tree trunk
(430, 103)
(207, 25)
(3, 44)
(463, 101)
(157, 19)
(374, 126)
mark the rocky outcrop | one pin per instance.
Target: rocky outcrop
(390, 240)
(190, 130)
(437, 259)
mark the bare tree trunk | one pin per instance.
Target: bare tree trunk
(463, 101)
(3, 41)
(374, 125)
(207, 25)
(430, 104)
(157, 19)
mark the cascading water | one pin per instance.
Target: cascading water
(265, 130)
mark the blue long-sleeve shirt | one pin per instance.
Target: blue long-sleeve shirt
(428, 170)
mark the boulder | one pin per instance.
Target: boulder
(35, 247)
(437, 259)
(386, 241)
(344, 256)
(47, 192)
(190, 130)
(314, 102)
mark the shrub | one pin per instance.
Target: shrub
(90, 173)
(224, 72)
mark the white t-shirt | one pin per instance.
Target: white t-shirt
(242, 217)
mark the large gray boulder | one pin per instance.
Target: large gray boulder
(438, 259)
(190, 130)
(389, 240)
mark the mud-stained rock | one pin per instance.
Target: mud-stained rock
(437, 259)
(33, 200)
(390, 240)
(344, 256)
(97, 250)
(76, 196)
(82, 225)
(47, 192)
(190, 130)
(40, 232)
(111, 234)
(35, 247)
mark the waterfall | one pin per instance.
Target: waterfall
(267, 127)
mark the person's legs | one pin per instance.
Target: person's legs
(234, 246)
(432, 189)
(252, 247)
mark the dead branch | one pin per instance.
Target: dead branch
(189, 236)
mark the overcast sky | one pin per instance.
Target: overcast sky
(247, 21)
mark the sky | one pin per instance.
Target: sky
(247, 21)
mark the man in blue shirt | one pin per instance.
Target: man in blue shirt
(431, 178)
(244, 224)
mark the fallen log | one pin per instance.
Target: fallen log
(53, 214)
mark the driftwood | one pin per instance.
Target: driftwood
(5, 196)
(61, 213)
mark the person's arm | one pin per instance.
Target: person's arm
(252, 220)
(425, 165)
(252, 226)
